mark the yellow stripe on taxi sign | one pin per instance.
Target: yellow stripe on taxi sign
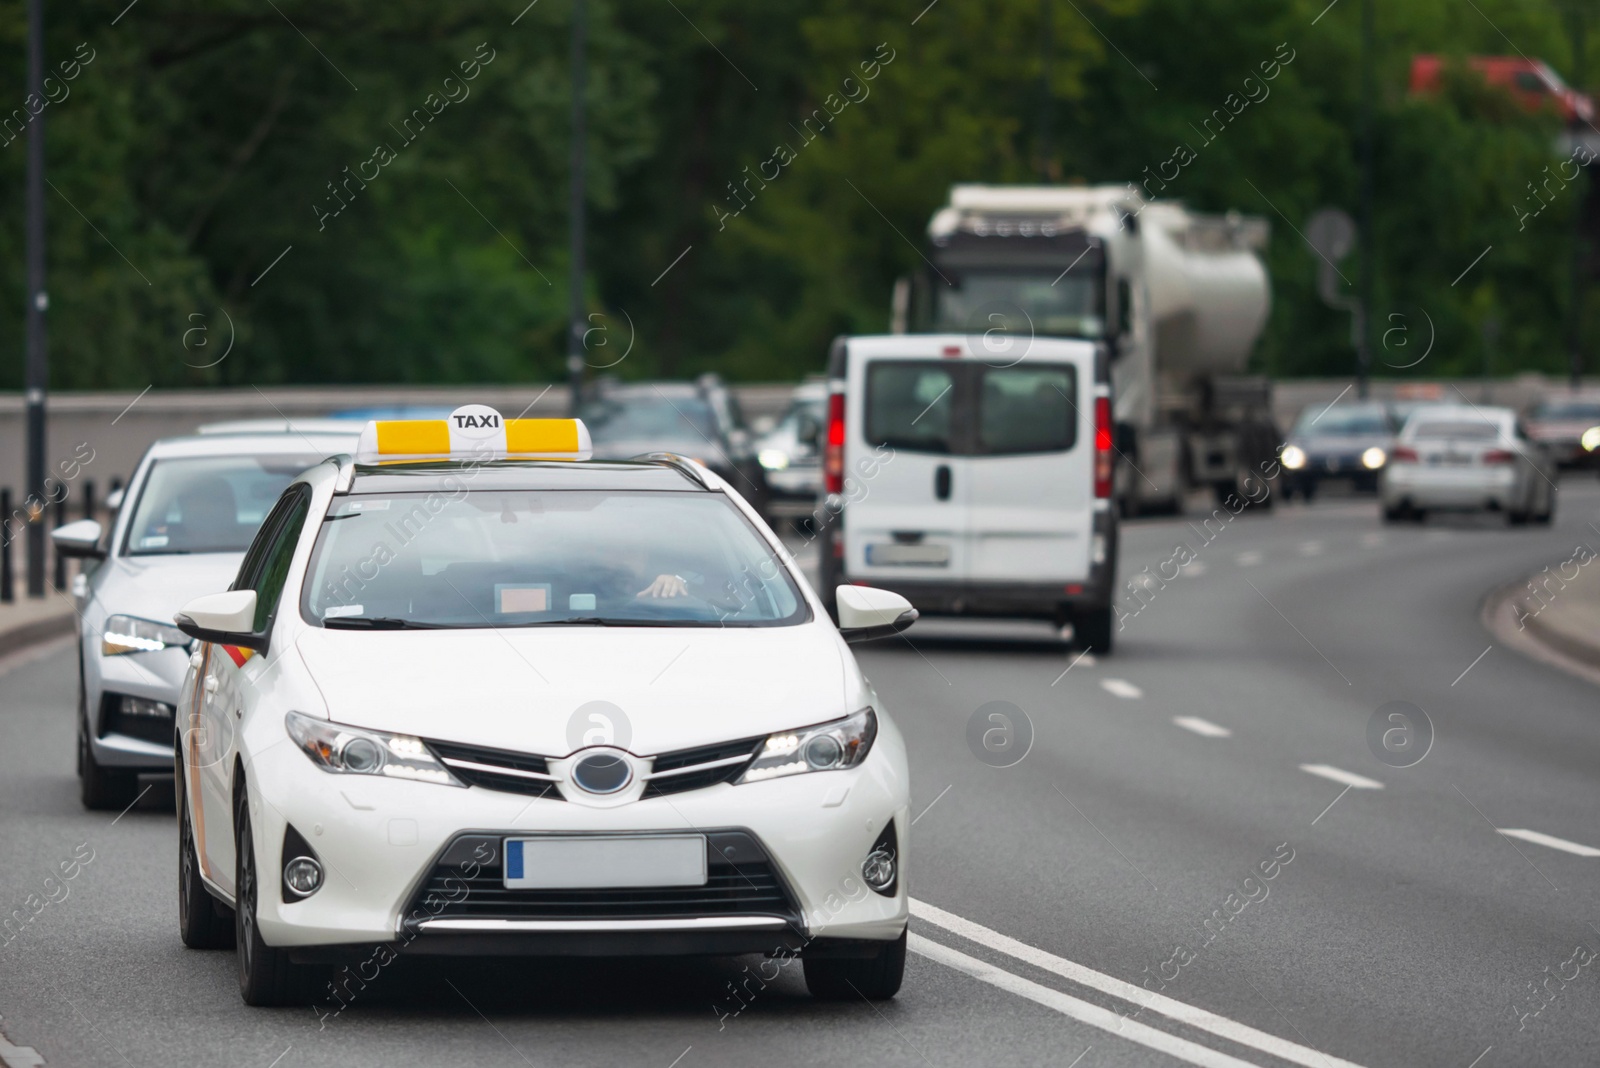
(542, 436)
(412, 437)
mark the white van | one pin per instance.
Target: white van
(971, 484)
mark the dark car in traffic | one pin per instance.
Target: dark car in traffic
(698, 419)
(1349, 443)
(1562, 422)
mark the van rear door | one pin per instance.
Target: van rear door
(905, 486)
(1029, 490)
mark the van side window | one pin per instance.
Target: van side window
(1027, 409)
(910, 405)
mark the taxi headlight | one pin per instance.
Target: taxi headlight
(126, 634)
(844, 743)
(1373, 458)
(342, 750)
(773, 459)
(1294, 457)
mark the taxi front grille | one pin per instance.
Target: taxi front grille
(695, 769)
(497, 769)
(467, 882)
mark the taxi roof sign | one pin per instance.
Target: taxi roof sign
(473, 432)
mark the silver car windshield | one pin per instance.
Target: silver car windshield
(520, 558)
(207, 504)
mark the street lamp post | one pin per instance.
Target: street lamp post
(577, 324)
(38, 369)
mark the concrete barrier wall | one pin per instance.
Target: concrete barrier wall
(118, 427)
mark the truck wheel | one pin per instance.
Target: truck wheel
(1092, 628)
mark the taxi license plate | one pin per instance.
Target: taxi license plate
(578, 863)
(895, 554)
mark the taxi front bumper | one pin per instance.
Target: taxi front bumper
(416, 866)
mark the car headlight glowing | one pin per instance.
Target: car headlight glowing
(844, 743)
(126, 634)
(342, 750)
(1373, 458)
(773, 459)
(1294, 457)
(1591, 439)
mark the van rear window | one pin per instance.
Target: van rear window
(910, 405)
(969, 409)
(1026, 409)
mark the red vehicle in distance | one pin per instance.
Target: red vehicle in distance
(1531, 81)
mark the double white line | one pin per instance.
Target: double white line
(1102, 1018)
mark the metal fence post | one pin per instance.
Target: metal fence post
(60, 576)
(7, 592)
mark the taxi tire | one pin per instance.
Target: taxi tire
(874, 978)
(203, 922)
(266, 975)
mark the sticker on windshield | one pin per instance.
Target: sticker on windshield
(339, 611)
(153, 541)
(510, 598)
(380, 505)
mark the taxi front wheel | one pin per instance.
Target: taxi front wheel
(874, 978)
(266, 975)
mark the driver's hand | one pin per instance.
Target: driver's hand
(665, 586)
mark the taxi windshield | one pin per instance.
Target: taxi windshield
(519, 558)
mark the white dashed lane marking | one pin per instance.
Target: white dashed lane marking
(1311, 548)
(1348, 778)
(1248, 559)
(1203, 727)
(1550, 842)
(1121, 688)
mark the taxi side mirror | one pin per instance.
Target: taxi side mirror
(866, 613)
(225, 618)
(80, 538)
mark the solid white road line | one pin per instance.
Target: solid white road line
(1202, 727)
(1121, 688)
(1550, 842)
(1067, 1005)
(1348, 778)
(1189, 1015)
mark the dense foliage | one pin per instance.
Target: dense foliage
(411, 158)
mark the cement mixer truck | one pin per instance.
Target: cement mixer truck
(1178, 298)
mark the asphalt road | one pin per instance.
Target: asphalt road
(1399, 926)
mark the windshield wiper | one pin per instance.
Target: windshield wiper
(375, 623)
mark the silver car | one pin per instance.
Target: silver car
(188, 514)
(1467, 458)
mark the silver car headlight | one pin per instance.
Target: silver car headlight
(773, 459)
(1294, 457)
(126, 634)
(844, 743)
(342, 750)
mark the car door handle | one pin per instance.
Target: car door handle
(941, 482)
(211, 684)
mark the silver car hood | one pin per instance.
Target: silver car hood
(155, 587)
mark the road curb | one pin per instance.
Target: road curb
(17, 638)
(1537, 640)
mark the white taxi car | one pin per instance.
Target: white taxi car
(474, 693)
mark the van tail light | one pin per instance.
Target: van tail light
(1102, 447)
(833, 452)
(1404, 454)
(1497, 456)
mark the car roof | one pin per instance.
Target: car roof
(1461, 413)
(448, 476)
(934, 346)
(255, 444)
(629, 390)
(292, 425)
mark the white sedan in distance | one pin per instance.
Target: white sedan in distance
(473, 693)
(1468, 458)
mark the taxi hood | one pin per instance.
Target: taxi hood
(534, 689)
